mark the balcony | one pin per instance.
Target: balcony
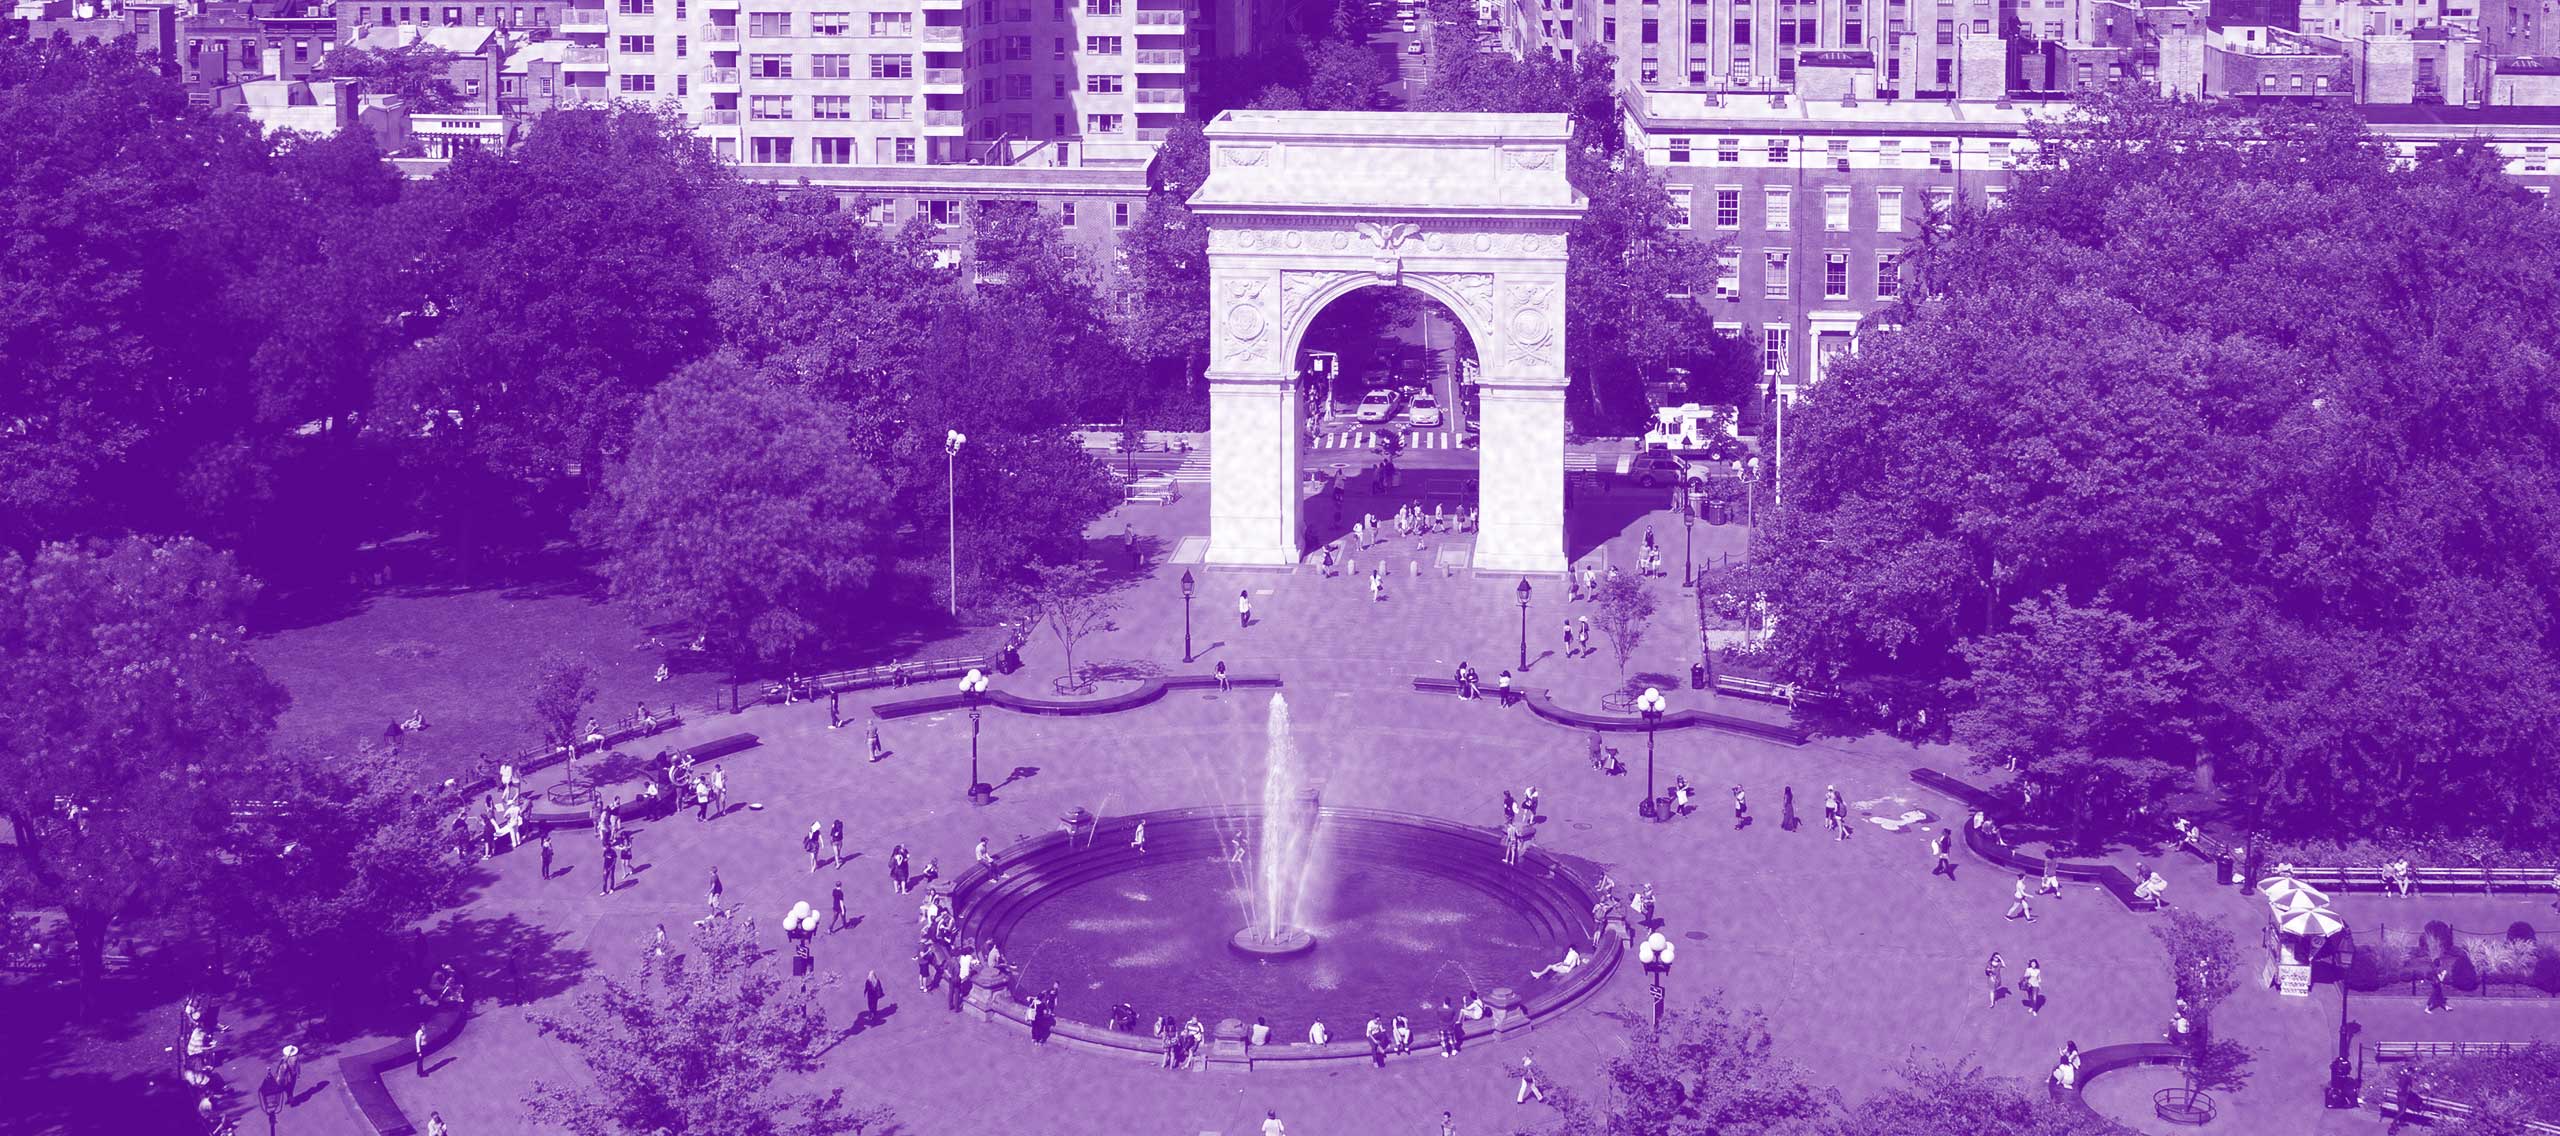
(720, 79)
(719, 5)
(720, 33)
(944, 5)
(582, 20)
(1157, 21)
(1158, 61)
(720, 116)
(1160, 98)
(584, 58)
(942, 33)
(944, 123)
(945, 81)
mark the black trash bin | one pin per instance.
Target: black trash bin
(1698, 675)
(1718, 513)
(2222, 867)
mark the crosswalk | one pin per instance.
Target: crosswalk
(1368, 439)
(1194, 469)
(1581, 463)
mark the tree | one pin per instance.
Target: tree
(563, 686)
(1072, 601)
(1343, 71)
(1709, 1071)
(132, 697)
(696, 1042)
(1625, 611)
(1962, 1097)
(1165, 325)
(2226, 382)
(420, 73)
(743, 509)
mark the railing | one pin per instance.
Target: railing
(1155, 57)
(720, 33)
(942, 76)
(582, 19)
(721, 116)
(941, 118)
(941, 33)
(1153, 134)
(728, 75)
(586, 55)
(1160, 95)
(1160, 18)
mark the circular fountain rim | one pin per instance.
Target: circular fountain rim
(1255, 940)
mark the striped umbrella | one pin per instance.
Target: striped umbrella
(2281, 890)
(2318, 922)
(2296, 901)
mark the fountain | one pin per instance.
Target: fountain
(1290, 806)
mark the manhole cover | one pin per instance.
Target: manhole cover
(1700, 936)
(1582, 826)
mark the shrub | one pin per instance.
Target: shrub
(2520, 932)
(2460, 972)
(2546, 970)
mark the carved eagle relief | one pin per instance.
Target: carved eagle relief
(1388, 235)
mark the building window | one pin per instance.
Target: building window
(1774, 270)
(1888, 276)
(834, 108)
(1889, 209)
(639, 84)
(1679, 149)
(628, 8)
(768, 24)
(2000, 155)
(1119, 214)
(679, 50)
(1067, 213)
(1058, 53)
(1946, 72)
(1777, 151)
(1728, 275)
(769, 107)
(1853, 33)
(1992, 194)
(2534, 157)
(830, 23)
(832, 151)
(944, 212)
(1780, 206)
(1680, 206)
(1942, 155)
(1697, 31)
(1835, 276)
(1017, 87)
(1650, 32)
(1728, 151)
(1102, 84)
(1773, 349)
(1102, 7)
(1102, 124)
(1839, 153)
(1946, 33)
(1889, 153)
(769, 66)
(1017, 47)
(1835, 209)
(892, 24)
(1728, 207)
(770, 151)
(1742, 32)
(1942, 205)
(1102, 45)
(891, 108)
(831, 67)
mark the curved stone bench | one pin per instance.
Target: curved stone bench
(2110, 1058)
(1544, 706)
(538, 818)
(1146, 693)
(1546, 890)
(361, 1073)
(1998, 855)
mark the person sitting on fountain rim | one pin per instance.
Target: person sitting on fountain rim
(1316, 1034)
(1561, 967)
(1474, 1007)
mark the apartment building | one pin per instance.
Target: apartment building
(1815, 201)
(897, 82)
(1904, 47)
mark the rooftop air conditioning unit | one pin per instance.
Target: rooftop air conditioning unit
(1944, 164)
(1841, 164)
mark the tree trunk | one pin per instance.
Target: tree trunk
(89, 933)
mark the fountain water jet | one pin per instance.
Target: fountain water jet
(1287, 843)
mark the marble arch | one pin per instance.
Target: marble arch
(1468, 209)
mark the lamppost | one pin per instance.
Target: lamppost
(973, 685)
(1688, 528)
(1523, 593)
(800, 925)
(1187, 585)
(951, 443)
(271, 1099)
(1650, 704)
(1655, 953)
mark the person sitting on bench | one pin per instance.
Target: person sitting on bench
(2151, 886)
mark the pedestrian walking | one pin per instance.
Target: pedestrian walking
(418, 1041)
(2018, 907)
(1271, 1125)
(1377, 591)
(2031, 987)
(874, 730)
(719, 790)
(1138, 838)
(435, 1124)
(1741, 810)
(898, 868)
(835, 907)
(546, 854)
(1568, 640)
(835, 841)
(810, 843)
(1528, 1082)
(872, 992)
(1942, 846)
(1991, 971)
(2435, 991)
(1244, 608)
(835, 710)
(1590, 583)
(1224, 684)
(1584, 627)
(2052, 884)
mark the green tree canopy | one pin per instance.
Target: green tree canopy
(420, 73)
(2225, 439)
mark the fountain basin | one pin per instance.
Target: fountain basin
(1414, 909)
(1263, 942)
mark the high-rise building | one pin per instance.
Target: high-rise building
(899, 82)
(1903, 48)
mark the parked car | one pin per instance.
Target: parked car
(1411, 26)
(1659, 468)
(1377, 406)
(1425, 410)
(1414, 48)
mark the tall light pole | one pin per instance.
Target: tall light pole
(951, 443)
(1688, 528)
(973, 685)
(1187, 584)
(1523, 593)
(1650, 704)
(1655, 953)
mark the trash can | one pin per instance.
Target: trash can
(2222, 865)
(1718, 513)
(1698, 675)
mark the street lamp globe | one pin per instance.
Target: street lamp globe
(1523, 591)
(1650, 703)
(974, 682)
(1655, 952)
(1187, 583)
(952, 440)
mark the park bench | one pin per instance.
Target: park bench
(718, 748)
(1762, 690)
(2106, 876)
(2424, 1109)
(1544, 706)
(362, 1072)
(2388, 1052)
(890, 674)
